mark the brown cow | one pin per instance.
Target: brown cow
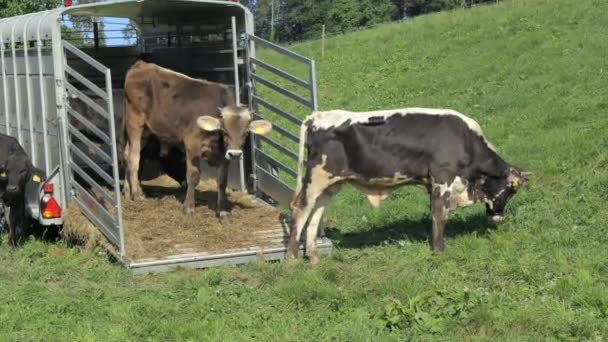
(178, 109)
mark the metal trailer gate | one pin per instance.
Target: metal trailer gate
(85, 166)
(105, 212)
(266, 164)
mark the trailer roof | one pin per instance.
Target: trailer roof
(152, 8)
(40, 25)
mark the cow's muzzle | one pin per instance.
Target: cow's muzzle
(496, 219)
(12, 189)
(233, 154)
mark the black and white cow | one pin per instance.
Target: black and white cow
(16, 169)
(441, 150)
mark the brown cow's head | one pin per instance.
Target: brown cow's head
(234, 123)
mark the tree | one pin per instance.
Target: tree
(310, 15)
(83, 27)
(346, 15)
(10, 8)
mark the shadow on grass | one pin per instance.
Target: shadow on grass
(413, 230)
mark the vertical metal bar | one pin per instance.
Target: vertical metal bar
(242, 173)
(43, 104)
(60, 100)
(323, 41)
(250, 94)
(237, 92)
(96, 35)
(313, 84)
(16, 84)
(4, 86)
(117, 203)
(28, 91)
(235, 57)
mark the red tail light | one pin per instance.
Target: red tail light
(48, 188)
(67, 3)
(50, 207)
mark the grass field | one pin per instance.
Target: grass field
(533, 73)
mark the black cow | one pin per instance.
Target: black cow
(441, 150)
(16, 170)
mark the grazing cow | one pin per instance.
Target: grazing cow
(15, 170)
(199, 114)
(441, 150)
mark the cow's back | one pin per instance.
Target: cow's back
(409, 144)
(8, 146)
(171, 102)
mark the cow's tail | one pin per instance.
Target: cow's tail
(303, 135)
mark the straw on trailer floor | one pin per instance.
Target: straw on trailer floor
(157, 227)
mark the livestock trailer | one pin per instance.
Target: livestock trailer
(52, 58)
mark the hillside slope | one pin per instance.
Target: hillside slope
(533, 73)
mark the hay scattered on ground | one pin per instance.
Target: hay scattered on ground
(78, 230)
(156, 226)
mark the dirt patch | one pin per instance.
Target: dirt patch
(156, 226)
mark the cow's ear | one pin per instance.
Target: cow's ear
(260, 127)
(518, 178)
(525, 177)
(208, 123)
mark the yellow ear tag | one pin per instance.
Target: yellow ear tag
(207, 127)
(258, 130)
(36, 178)
(3, 174)
(515, 182)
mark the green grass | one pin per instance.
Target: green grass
(533, 73)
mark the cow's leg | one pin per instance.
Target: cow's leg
(312, 232)
(222, 183)
(17, 224)
(126, 189)
(307, 201)
(193, 174)
(440, 207)
(300, 217)
(134, 135)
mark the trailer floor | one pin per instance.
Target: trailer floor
(159, 237)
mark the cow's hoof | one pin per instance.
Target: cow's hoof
(224, 218)
(138, 196)
(188, 210)
(290, 257)
(437, 252)
(313, 260)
